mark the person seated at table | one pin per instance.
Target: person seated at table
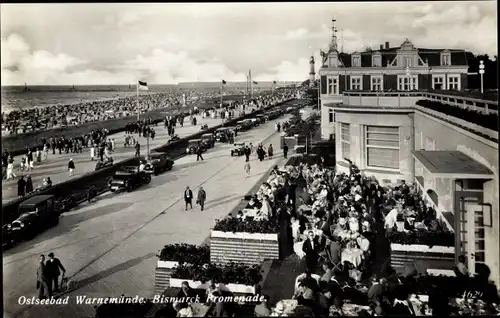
(363, 243)
(354, 295)
(323, 302)
(377, 293)
(304, 295)
(335, 251)
(240, 215)
(220, 308)
(186, 291)
(184, 310)
(321, 241)
(409, 224)
(263, 309)
(306, 197)
(307, 280)
(327, 275)
(391, 218)
(266, 210)
(210, 290)
(254, 202)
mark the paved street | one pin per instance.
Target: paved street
(109, 246)
(56, 166)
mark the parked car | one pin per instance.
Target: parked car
(108, 162)
(243, 125)
(238, 150)
(158, 162)
(127, 179)
(208, 140)
(36, 214)
(193, 144)
(173, 138)
(7, 236)
(254, 122)
(261, 118)
(221, 134)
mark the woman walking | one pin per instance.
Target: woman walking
(247, 169)
(270, 151)
(92, 153)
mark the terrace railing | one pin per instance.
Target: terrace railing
(398, 99)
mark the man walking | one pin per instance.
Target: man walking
(188, 198)
(137, 149)
(54, 268)
(199, 151)
(202, 197)
(71, 167)
(285, 151)
(41, 279)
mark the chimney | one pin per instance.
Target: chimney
(381, 46)
(386, 45)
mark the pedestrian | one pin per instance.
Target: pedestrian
(188, 198)
(285, 151)
(137, 149)
(41, 279)
(71, 167)
(38, 156)
(199, 151)
(10, 169)
(202, 197)
(247, 169)
(53, 268)
(247, 153)
(113, 144)
(29, 185)
(21, 187)
(92, 153)
(270, 151)
(45, 152)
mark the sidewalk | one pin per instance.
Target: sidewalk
(56, 167)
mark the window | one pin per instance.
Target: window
(356, 61)
(333, 86)
(382, 147)
(333, 61)
(356, 83)
(430, 144)
(377, 61)
(438, 82)
(345, 140)
(453, 82)
(330, 116)
(407, 83)
(376, 83)
(407, 61)
(445, 59)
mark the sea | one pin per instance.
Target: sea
(18, 97)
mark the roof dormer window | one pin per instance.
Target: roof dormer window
(376, 59)
(445, 58)
(356, 60)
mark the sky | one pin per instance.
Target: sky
(99, 44)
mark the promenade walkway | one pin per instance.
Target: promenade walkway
(56, 166)
(109, 246)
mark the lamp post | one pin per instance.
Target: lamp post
(481, 72)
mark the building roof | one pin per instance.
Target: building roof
(432, 56)
(452, 163)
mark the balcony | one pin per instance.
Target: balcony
(398, 99)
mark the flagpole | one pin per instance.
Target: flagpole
(251, 83)
(221, 88)
(137, 90)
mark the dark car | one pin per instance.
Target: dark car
(193, 144)
(254, 122)
(158, 162)
(221, 134)
(208, 140)
(128, 178)
(243, 125)
(7, 236)
(36, 214)
(173, 138)
(108, 162)
(238, 150)
(261, 118)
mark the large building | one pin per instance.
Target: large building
(371, 103)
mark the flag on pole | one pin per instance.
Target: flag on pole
(224, 82)
(142, 86)
(255, 82)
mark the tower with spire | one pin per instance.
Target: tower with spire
(333, 44)
(312, 73)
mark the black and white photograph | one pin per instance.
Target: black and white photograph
(250, 159)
